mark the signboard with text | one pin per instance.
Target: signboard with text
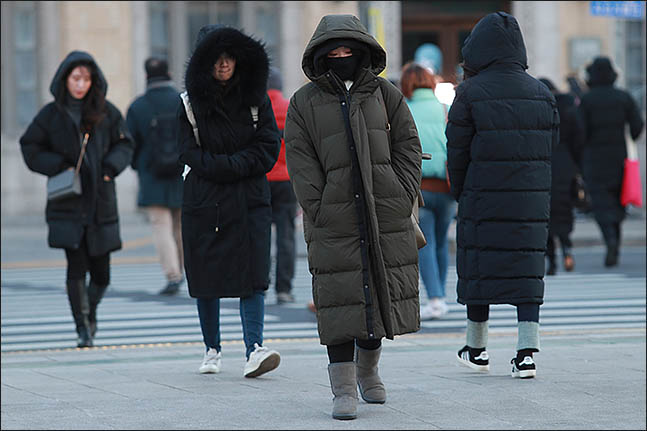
(619, 9)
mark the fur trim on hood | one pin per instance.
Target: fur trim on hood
(252, 65)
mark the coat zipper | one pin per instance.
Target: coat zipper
(361, 214)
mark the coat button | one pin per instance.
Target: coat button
(352, 148)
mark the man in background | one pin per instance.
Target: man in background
(152, 121)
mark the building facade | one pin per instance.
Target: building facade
(561, 38)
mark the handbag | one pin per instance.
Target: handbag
(421, 241)
(631, 193)
(67, 183)
(581, 199)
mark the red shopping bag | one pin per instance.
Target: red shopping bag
(631, 188)
(631, 193)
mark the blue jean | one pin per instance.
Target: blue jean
(435, 218)
(252, 315)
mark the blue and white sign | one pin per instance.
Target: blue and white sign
(618, 9)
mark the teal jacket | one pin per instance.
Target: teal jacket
(429, 116)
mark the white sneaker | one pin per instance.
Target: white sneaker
(433, 310)
(260, 361)
(211, 362)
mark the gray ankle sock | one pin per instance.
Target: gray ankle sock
(477, 334)
(527, 335)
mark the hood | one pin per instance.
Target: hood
(600, 73)
(496, 38)
(252, 64)
(342, 27)
(73, 59)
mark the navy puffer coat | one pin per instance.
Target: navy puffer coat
(501, 128)
(605, 111)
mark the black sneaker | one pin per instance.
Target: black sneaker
(476, 359)
(525, 369)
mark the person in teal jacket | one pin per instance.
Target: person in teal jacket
(430, 115)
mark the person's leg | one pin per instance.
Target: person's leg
(550, 254)
(260, 359)
(99, 281)
(162, 225)
(367, 357)
(209, 315)
(77, 267)
(474, 354)
(283, 215)
(427, 259)
(567, 251)
(342, 372)
(445, 215)
(176, 215)
(610, 234)
(527, 340)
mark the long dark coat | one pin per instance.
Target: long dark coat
(52, 143)
(364, 267)
(163, 98)
(501, 128)
(605, 110)
(226, 210)
(564, 165)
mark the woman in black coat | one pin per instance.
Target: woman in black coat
(564, 168)
(226, 209)
(501, 128)
(87, 225)
(605, 111)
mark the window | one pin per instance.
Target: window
(634, 61)
(267, 29)
(159, 29)
(200, 13)
(25, 62)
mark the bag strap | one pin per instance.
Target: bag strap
(254, 111)
(189, 114)
(83, 145)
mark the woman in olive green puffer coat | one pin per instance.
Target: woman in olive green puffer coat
(357, 195)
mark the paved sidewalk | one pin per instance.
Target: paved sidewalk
(586, 380)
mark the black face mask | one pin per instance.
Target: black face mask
(344, 67)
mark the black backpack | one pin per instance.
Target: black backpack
(162, 139)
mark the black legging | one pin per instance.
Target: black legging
(79, 262)
(525, 312)
(345, 352)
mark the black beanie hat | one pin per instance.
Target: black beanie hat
(156, 69)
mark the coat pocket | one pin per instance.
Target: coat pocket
(107, 202)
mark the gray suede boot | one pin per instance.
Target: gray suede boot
(370, 384)
(343, 382)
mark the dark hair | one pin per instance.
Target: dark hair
(416, 76)
(94, 102)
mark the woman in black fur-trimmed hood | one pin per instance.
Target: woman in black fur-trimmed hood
(226, 211)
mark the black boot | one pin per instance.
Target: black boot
(552, 268)
(611, 237)
(78, 298)
(95, 293)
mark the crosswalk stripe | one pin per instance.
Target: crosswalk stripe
(36, 314)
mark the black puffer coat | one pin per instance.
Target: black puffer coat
(501, 128)
(564, 167)
(226, 211)
(605, 111)
(52, 143)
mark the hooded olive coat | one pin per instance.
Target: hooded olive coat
(52, 143)
(357, 194)
(226, 210)
(502, 126)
